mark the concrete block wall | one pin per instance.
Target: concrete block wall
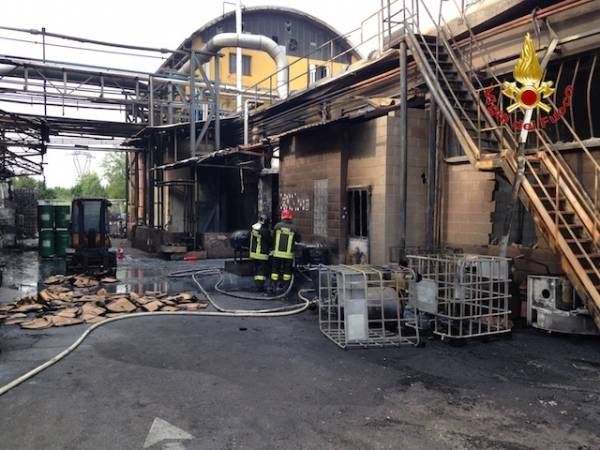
(308, 157)
(367, 159)
(467, 207)
(363, 154)
(416, 221)
(584, 169)
(373, 160)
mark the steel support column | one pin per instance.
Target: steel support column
(431, 175)
(192, 104)
(217, 110)
(403, 153)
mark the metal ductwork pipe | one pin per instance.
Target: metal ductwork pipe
(6, 68)
(249, 41)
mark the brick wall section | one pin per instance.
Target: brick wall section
(416, 221)
(367, 158)
(307, 157)
(361, 154)
(583, 169)
(373, 160)
(467, 206)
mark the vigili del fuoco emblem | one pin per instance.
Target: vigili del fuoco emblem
(528, 92)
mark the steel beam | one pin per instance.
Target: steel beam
(403, 153)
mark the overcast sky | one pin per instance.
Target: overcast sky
(147, 23)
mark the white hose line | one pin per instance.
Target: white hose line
(237, 311)
(301, 293)
(277, 312)
(220, 290)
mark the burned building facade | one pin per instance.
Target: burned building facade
(416, 146)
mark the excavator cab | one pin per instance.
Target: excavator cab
(90, 252)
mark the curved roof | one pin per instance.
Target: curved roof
(172, 60)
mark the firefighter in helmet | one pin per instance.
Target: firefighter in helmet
(286, 235)
(260, 249)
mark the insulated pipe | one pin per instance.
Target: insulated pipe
(252, 42)
(238, 55)
(6, 68)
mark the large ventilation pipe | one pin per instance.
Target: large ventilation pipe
(249, 41)
(6, 68)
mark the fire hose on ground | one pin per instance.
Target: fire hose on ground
(221, 312)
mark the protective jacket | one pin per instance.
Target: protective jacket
(260, 242)
(285, 236)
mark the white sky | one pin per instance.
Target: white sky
(147, 23)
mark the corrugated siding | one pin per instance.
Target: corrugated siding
(308, 35)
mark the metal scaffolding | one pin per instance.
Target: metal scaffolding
(136, 99)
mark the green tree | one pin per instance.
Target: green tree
(113, 166)
(43, 193)
(62, 193)
(89, 185)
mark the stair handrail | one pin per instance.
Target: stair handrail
(439, 71)
(559, 218)
(592, 205)
(451, 116)
(575, 187)
(463, 72)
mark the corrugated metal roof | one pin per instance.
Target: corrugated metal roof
(256, 9)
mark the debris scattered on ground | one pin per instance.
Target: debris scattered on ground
(72, 300)
(108, 280)
(121, 305)
(36, 324)
(15, 319)
(59, 321)
(152, 306)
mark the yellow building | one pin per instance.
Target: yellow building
(312, 48)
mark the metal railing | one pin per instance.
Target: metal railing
(557, 208)
(568, 189)
(590, 201)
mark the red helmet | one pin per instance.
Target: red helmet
(286, 214)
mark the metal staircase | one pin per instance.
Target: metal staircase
(567, 214)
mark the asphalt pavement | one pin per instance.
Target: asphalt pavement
(262, 383)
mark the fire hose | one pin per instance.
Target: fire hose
(221, 312)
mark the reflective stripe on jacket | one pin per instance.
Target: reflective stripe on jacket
(284, 243)
(257, 247)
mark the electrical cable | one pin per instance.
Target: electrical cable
(221, 312)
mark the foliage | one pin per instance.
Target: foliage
(61, 193)
(42, 192)
(88, 185)
(113, 166)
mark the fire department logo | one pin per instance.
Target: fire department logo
(528, 93)
(528, 72)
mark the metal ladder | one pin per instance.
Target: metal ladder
(566, 213)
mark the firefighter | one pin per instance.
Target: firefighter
(260, 249)
(286, 235)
